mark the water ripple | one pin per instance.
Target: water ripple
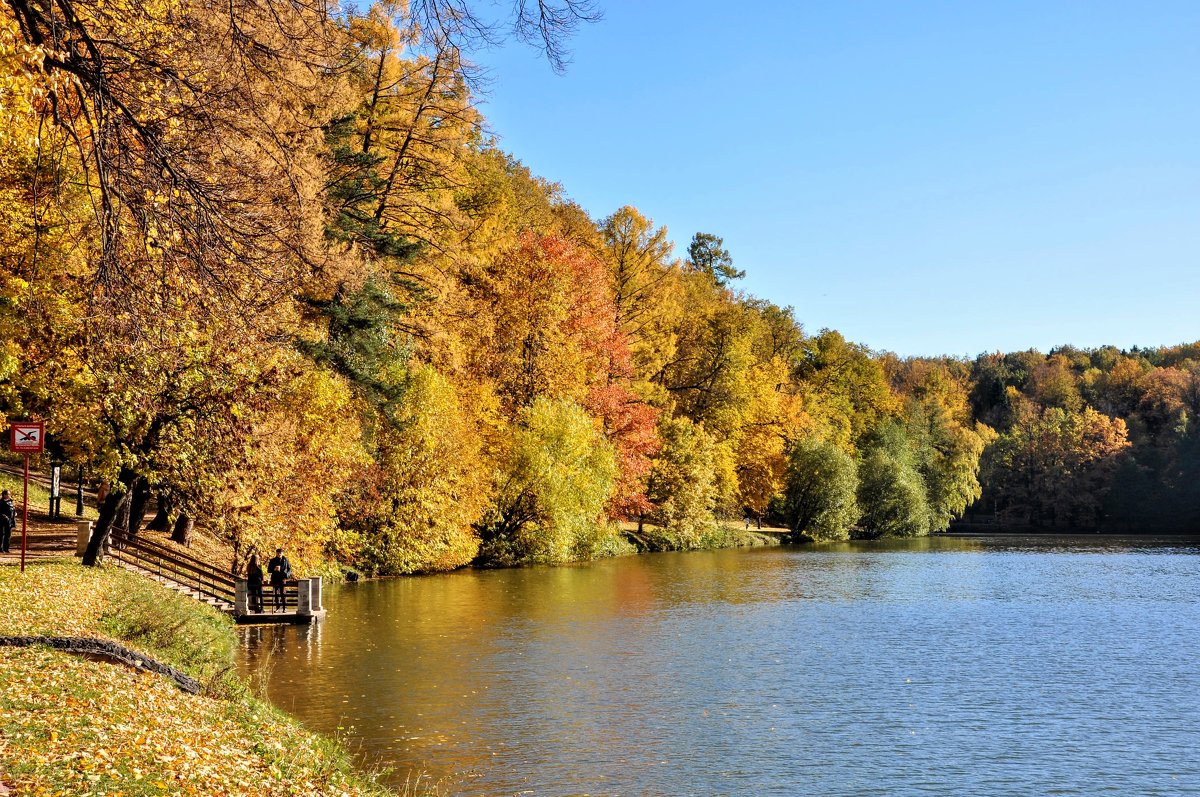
(1007, 666)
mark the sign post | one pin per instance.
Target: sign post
(28, 437)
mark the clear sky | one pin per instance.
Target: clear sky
(925, 177)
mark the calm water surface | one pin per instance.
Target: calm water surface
(946, 666)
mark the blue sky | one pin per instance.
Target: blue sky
(925, 177)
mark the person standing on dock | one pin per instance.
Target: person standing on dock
(8, 520)
(281, 570)
(254, 584)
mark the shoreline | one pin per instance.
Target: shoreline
(72, 724)
(1013, 532)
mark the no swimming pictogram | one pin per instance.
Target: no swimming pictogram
(28, 437)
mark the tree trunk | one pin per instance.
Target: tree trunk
(114, 503)
(120, 526)
(162, 519)
(182, 533)
(137, 507)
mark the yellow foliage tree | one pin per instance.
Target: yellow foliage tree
(415, 512)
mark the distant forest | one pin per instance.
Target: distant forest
(265, 267)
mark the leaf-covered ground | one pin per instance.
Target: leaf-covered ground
(69, 726)
(56, 599)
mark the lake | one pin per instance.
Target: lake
(939, 666)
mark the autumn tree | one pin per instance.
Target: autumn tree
(637, 256)
(415, 509)
(706, 378)
(551, 489)
(1054, 467)
(206, 211)
(1165, 409)
(283, 456)
(1053, 383)
(683, 485)
(396, 156)
(181, 152)
(845, 390)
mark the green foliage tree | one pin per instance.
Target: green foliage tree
(891, 493)
(551, 491)
(946, 442)
(683, 484)
(821, 485)
(707, 255)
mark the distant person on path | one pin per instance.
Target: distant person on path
(254, 582)
(8, 520)
(281, 570)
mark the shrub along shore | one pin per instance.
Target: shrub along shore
(74, 726)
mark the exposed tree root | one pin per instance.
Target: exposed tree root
(109, 651)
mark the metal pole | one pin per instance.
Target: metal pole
(79, 493)
(25, 515)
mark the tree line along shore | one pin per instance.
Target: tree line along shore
(265, 267)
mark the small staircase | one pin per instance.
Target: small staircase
(179, 571)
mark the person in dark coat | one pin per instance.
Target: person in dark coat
(281, 570)
(254, 583)
(8, 520)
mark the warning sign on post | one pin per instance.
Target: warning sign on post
(29, 437)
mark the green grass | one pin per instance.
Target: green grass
(172, 628)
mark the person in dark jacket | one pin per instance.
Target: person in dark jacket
(281, 570)
(254, 584)
(8, 520)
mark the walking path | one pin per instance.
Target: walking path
(47, 540)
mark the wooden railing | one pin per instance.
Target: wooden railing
(175, 566)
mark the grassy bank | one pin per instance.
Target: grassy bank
(70, 726)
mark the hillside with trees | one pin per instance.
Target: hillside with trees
(263, 266)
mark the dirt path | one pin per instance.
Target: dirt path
(47, 540)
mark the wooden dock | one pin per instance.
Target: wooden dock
(290, 617)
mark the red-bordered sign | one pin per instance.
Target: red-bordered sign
(29, 437)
